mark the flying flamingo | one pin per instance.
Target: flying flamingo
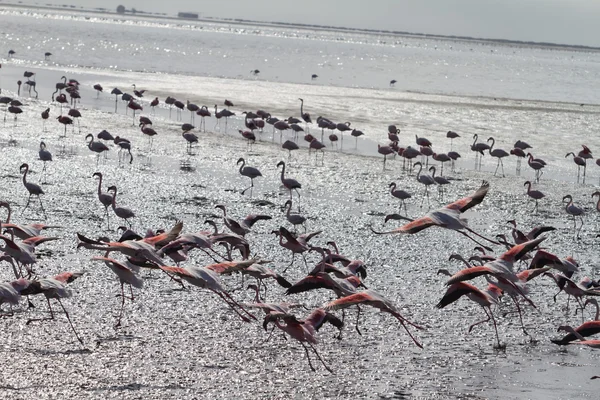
(373, 299)
(534, 194)
(588, 328)
(289, 183)
(205, 278)
(304, 331)
(448, 217)
(105, 198)
(485, 298)
(32, 188)
(249, 172)
(126, 276)
(53, 288)
(575, 211)
(244, 226)
(121, 212)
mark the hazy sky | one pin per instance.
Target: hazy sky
(559, 21)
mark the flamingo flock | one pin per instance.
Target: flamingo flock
(174, 254)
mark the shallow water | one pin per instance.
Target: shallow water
(186, 344)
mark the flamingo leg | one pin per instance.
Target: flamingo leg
(308, 357)
(357, 321)
(238, 304)
(245, 319)
(480, 322)
(520, 314)
(320, 358)
(70, 322)
(118, 324)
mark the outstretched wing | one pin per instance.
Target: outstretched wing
(412, 227)
(455, 292)
(471, 201)
(254, 218)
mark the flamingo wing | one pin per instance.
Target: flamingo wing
(471, 201)
(469, 273)
(412, 227)
(517, 252)
(253, 218)
(319, 316)
(538, 230)
(35, 240)
(455, 292)
(348, 301)
(543, 258)
(167, 237)
(308, 283)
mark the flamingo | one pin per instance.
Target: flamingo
(425, 180)
(452, 135)
(356, 133)
(441, 158)
(294, 219)
(393, 82)
(588, 328)
(242, 227)
(304, 331)
(305, 116)
(343, 128)
(519, 144)
(374, 299)
(499, 154)
(440, 181)
(534, 194)
(580, 161)
(53, 288)
(485, 298)
(95, 146)
(316, 145)
(117, 92)
(385, 151)
(289, 183)
(575, 211)
(126, 275)
(454, 156)
(537, 165)
(120, 212)
(203, 112)
(32, 188)
(289, 146)
(594, 343)
(478, 148)
(448, 217)
(45, 156)
(597, 193)
(249, 172)
(98, 88)
(205, 278)
(190, 138)
(400, 194)
(520, 154)
(105, 198)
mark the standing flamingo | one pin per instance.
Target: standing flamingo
(120, 212)
(575, 211)
(45, 156)
(95, 146)
(478, 148)
(534, 194)
(425, 180)
(250, 172)
(117, 92)
(498, 153)
(32, 188)
(580, 161)
(289, 183)
(105, 198)
(400, 194)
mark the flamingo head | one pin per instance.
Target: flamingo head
(241, 159)
(97, 174)
(23, 166)
(112, 189)
(567, 198)
(281, 163)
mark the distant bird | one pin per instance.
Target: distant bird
(393, 82)
(314, 76)
(249, 172)
(98, 88)
(534, 194)
(580, 162)
(45, 116)
(255, 72)
(32, 188)
(11, 53)
(228, 103)
(120, 212)
(452, 135)
(117, 92)
(138, 93)
(45, 156)
(46, 55)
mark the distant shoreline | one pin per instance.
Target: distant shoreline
(237, 21)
